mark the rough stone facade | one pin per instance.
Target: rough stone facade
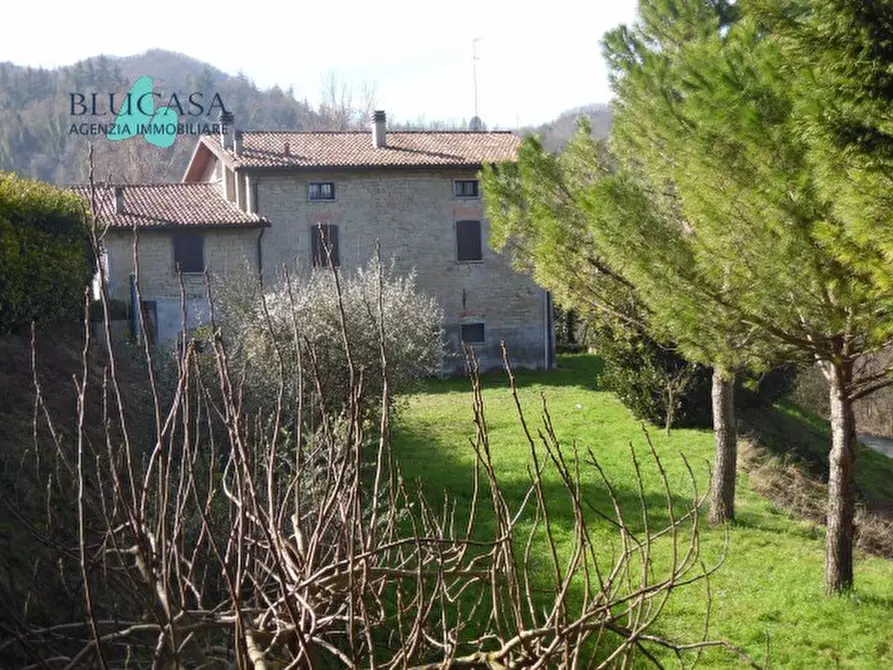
(229, 252)
(413, 214)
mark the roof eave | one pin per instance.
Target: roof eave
(213, 150)
(366, 168)
(263, 223)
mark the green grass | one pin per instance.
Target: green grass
(771, 585)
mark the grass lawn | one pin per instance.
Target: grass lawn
(771, 585)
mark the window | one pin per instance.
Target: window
(472, 333)
(468, 241)
(321, 190)
(323, 243)
(466, 188)
(189, 252)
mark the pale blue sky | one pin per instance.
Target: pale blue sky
(533, 62)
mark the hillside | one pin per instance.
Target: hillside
(39, 576)
(35, 119)
(555, 134)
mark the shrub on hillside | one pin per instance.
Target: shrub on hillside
(46, 260)
(654, 381)
(303, 319)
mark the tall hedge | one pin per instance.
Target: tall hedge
(46, 260)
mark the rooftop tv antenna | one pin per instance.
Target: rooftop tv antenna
(475, 123)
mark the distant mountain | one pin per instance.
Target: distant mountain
(556, 134)
(35, 115)
(36, 119)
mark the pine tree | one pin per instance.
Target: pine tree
(729, 124)
(841, 55)
(573, 213)
(714, 205)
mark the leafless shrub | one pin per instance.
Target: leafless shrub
(789, 487)
(342, 106)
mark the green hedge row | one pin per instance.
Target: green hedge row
(46, 260)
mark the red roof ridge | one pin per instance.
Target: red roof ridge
(367, 132)
(142, 184)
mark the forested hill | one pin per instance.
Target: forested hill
(556, 134)
(36, 120)
(35, 115)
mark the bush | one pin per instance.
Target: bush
(655, 382)
(305, 322)
(567, 324)
(46, 260)
(769, 387)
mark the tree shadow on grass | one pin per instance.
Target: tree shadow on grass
(427, 460)
(444, 469)
(581, 370)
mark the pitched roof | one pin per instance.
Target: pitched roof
(169, 205)
(422, 149)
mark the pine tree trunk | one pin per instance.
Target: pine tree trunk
(841, 503)
(722, 488)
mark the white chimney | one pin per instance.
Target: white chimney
(119, 199)
(379, 132)
(227, 129)
(237, 142)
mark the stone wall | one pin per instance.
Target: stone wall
(413, 215)
(230, 252)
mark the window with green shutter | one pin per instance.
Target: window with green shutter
(468, 241)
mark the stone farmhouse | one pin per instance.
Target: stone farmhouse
(263, 200)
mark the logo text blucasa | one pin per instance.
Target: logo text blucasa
(102, 104)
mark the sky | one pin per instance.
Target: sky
(532, 63)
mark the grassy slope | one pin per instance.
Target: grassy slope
(792, 433)
(772, 581)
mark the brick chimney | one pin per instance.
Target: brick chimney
(227, 129)
(119, 199)
(379, 132)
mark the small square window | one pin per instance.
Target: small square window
(321, 191)
(466, 188)
(189, 252)
(468, 241)
(323, 244)
(472, 333)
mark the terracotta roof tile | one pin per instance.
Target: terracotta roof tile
(166, 205)
(270, 149)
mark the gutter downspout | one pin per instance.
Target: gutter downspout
(260, 256)
(545, 330)
(254, 191)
